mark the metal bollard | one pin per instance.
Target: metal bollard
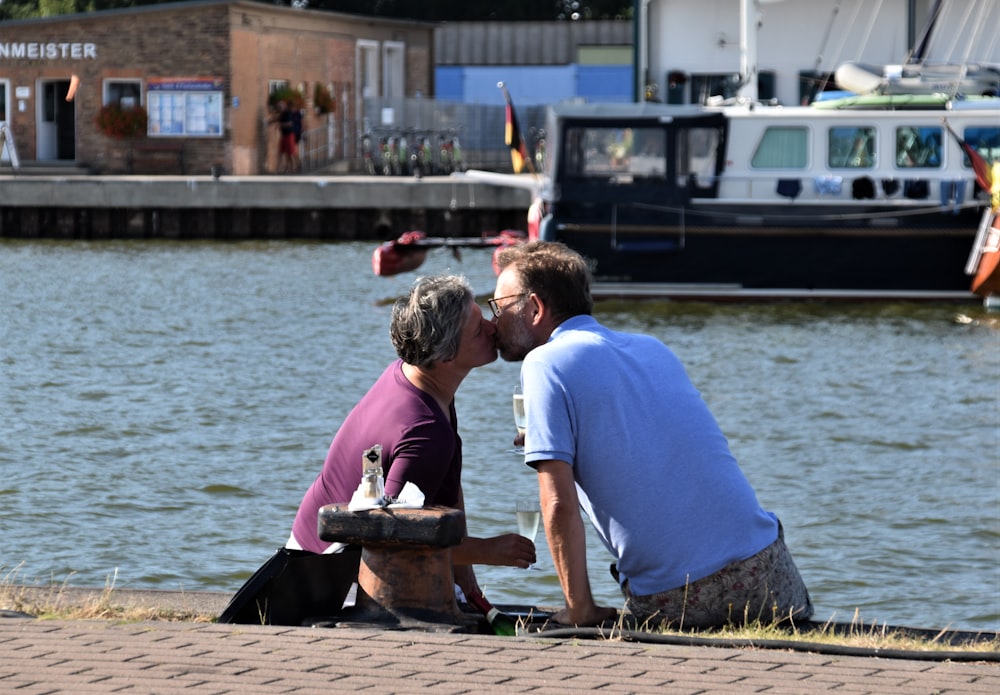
(405, 575)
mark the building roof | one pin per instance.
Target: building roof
(195, 4)
(525, 43)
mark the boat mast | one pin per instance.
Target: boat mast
(748, 51)
(919, 52)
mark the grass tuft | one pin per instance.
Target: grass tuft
(57, 602)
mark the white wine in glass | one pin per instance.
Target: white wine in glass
(529, 514)
(520, 422)
(519, 419)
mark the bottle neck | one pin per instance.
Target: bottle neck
(484, 606)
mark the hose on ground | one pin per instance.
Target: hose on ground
(742, 643)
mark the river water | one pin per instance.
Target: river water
(164, 406)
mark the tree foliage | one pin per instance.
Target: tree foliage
(464, 10)
(428, 10)
(27, 9)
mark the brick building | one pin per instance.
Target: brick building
(203, 71)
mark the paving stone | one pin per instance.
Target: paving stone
(43, 657)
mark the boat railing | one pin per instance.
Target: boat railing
(941, 188)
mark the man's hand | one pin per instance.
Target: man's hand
(585, 616)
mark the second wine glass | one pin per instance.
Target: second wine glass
(529, 514)
(520, 421)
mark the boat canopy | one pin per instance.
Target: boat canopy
(641, 150)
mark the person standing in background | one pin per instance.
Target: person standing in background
(287, 147)
(296, 164)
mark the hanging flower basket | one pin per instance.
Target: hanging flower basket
(117, 122)
(323, 100)
(292, 96)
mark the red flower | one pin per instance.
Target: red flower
(117, 122)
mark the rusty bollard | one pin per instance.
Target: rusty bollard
(405, 574)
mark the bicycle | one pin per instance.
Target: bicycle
(420, 158)
(450, 152)
(368, 154)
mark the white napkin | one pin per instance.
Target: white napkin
(410, 497)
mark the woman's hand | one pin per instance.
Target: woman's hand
(512, 550)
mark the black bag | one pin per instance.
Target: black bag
(293, 586)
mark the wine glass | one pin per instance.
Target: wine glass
(520, 421)
(529, 514)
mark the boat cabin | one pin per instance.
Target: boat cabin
(611, 167)
(658, 193)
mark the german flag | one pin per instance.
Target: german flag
(512, 136)
(979, 165)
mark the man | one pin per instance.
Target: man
(614, 425)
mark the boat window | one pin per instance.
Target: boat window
(918, 147)
(696, 153)
(782, 147)
(851, 147)
(649, 153)
(604, 152)
(986, 141)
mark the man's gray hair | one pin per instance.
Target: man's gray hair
(427, 325)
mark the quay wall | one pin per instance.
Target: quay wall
(233, 208)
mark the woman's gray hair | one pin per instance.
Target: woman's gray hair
(427, 325)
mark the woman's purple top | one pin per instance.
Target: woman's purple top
(420, 445)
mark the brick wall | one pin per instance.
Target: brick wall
(245, 44)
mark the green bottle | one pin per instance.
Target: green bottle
(502, 624)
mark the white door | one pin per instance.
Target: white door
(394, 68)
(4, 115)
(366, 80)
(56, 119)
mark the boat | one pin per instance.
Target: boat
(863, 196)
(860, 197)
(918, 78)
(876, 192)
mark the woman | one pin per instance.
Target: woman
(440, 335)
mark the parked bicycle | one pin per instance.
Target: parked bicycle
(538, 135)
(450, 152)
(385, 155)
(421, 159)
(368, 154)
(398, 159)
(392, 152)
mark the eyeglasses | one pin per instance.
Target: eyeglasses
(496, 308)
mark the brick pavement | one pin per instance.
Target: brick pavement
(59, 656)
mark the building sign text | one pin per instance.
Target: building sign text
(55, 50)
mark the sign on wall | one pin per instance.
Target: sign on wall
(188, 106)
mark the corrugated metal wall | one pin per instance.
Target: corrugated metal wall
(524, 43)
(540, 62)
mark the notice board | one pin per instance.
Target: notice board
(184, 106)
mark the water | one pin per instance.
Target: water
(164, 407)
